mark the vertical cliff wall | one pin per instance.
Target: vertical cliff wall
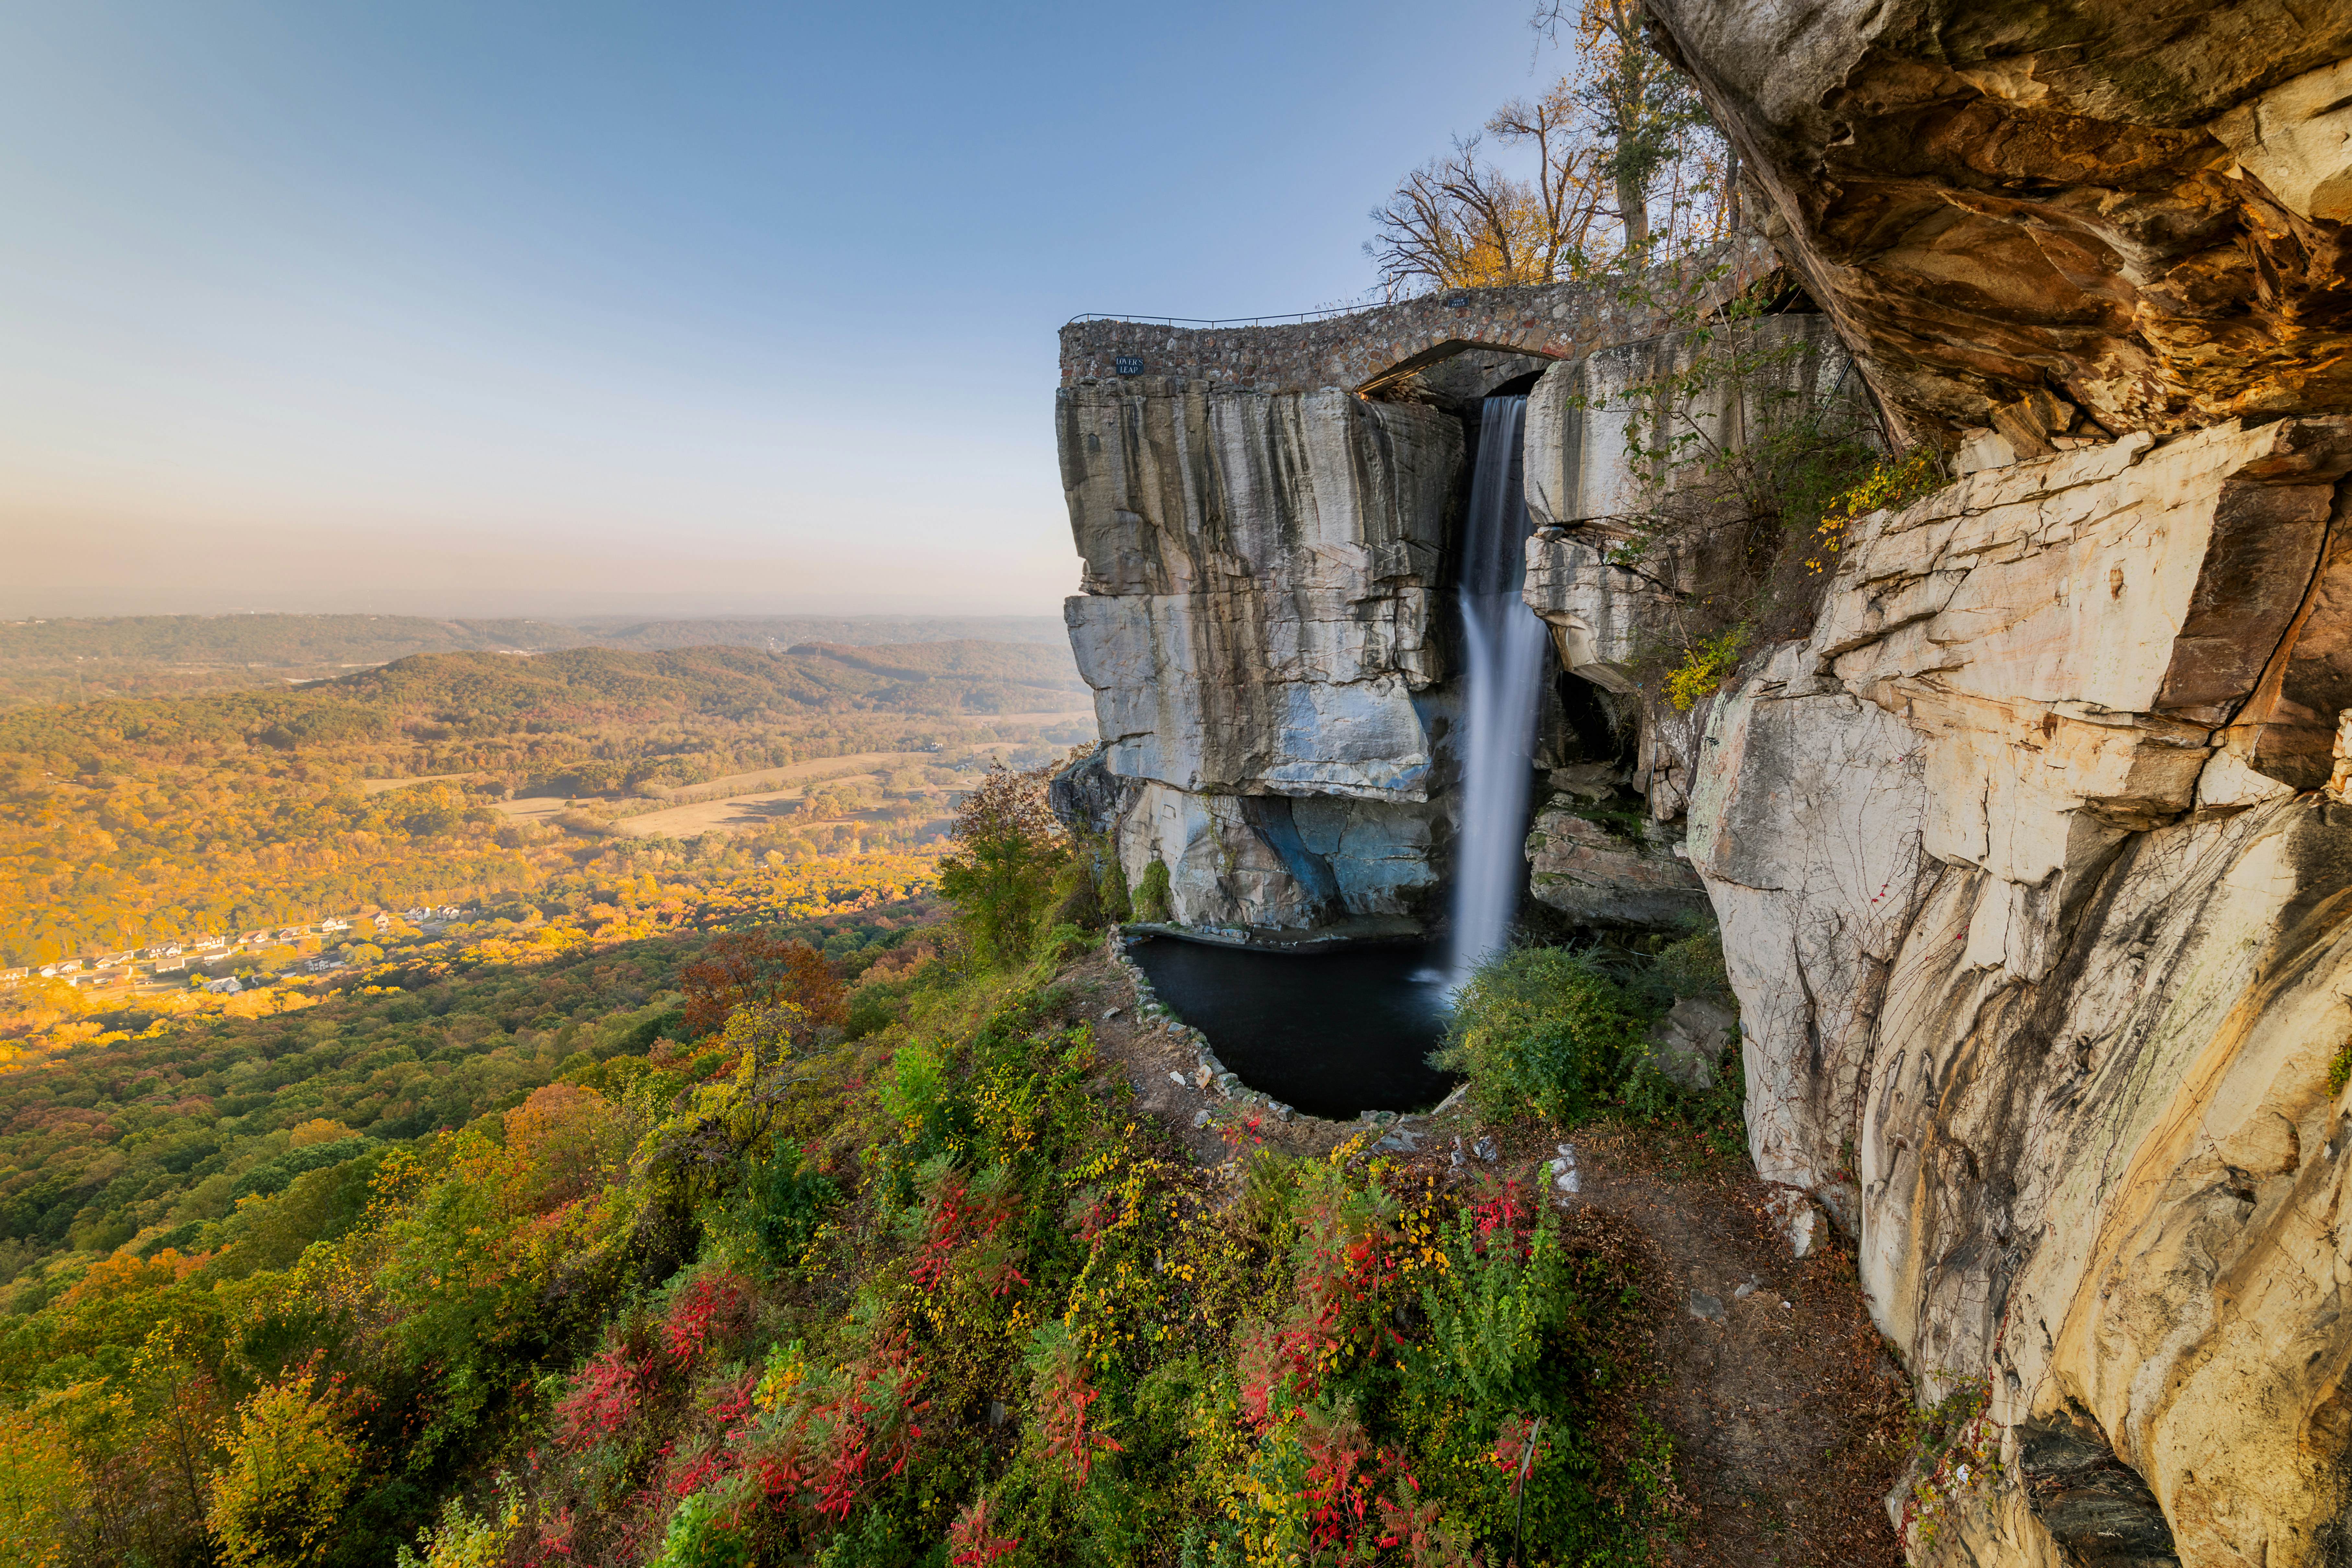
(1257, 626)
(2033, 884)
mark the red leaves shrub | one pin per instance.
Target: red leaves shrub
(1504, 1216)
(972, 1540)
(840, 1432)
(1342, 1473)
(958, 1212)
(1517, 1449)
(712, 1306)
(760, 969)
(1346, 1264)
(1064, 1400)
(606, 1396)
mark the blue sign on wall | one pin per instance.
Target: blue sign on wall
(1129, 367)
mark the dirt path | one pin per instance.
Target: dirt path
(1786, 1417)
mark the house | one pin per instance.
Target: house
(228, 987)
(15, 976)
(331, 924)
(170, 965)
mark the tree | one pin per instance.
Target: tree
(1651, 121)
(760, 968)
(1620, 128)
(1460, 223)
(290, 1464)
(1001, 874)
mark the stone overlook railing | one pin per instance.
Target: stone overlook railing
(1359, 350)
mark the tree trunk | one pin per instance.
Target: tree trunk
(1634, 208)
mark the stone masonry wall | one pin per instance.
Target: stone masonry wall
(1364, 348)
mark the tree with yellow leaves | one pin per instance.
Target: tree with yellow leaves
(290, 1464)
(1627, 168)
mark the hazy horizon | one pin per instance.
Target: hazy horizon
(540, 310)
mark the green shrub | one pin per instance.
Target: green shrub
(1152, 899)
(788, 1201)
(1541, 1028)
(1009, 852)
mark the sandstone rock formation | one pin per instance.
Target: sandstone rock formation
(1598, 873)
(2033, 873)
(2123, 211)
(2042, 956)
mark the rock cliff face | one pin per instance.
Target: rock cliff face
(1257, 623)
(2032, 853)
(2035, 881)
(1268, 609)
(2026, 214)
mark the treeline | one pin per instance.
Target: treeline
(306, 641)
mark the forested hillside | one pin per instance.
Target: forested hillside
(126, 823)
(768, 1257)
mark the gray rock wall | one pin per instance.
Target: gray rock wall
(1257, 624)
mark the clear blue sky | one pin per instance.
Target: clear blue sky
(574, 307)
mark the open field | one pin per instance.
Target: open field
(736, 813)
(385, 786)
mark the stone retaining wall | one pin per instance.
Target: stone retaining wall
(1365, 348)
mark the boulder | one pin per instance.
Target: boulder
(1688, 1044)
(1595, 875)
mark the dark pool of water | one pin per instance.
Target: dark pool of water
(1333, 1034)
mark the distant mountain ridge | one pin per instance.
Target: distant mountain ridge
(310, 641)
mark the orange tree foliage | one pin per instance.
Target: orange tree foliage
(760, 969)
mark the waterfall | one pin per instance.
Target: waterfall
(1505, 643)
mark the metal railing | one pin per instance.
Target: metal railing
(1325, 314)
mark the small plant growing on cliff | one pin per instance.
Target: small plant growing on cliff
(1151, 896)
(1891, 484)
(1707, 665)
(2339, 1072)
(1960, 1455)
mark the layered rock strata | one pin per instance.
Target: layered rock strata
(1257, 626)
(2043, 945)
(1267, 604)
(2102, 215)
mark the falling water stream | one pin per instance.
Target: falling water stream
(1504, 645)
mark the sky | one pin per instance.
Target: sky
(547, 309)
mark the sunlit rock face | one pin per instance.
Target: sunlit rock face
(1256, 624)
(2041, 924)
(2027, 216)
